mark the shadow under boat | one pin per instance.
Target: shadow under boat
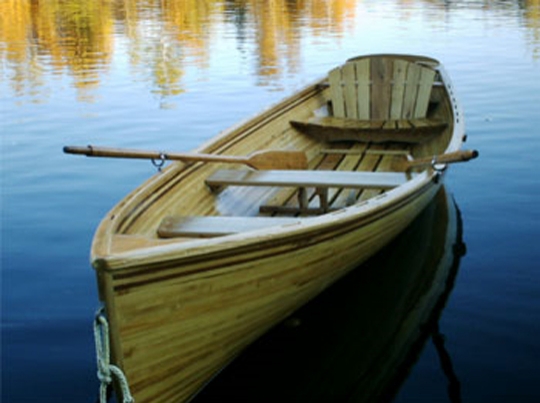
(357, 341)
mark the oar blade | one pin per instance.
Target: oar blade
(278, 159)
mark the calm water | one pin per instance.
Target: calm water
(170, 75)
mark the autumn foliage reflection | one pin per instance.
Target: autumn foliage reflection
(40, 39)
(78, 37)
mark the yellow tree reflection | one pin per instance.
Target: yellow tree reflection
(55, 35)
(279, 25)
(532, 23)
(77, 37)
(40, 40)
(15, 19)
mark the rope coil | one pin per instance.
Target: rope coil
(107, 371)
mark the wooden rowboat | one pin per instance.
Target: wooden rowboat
(202, 259)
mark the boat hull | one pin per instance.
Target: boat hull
(179, 320)
(361, 336)
(180, 309)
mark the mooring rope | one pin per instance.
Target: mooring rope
(106, 371)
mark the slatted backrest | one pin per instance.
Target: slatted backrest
(381, 88)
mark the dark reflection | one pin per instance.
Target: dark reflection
(162, 38)
(454, 386)
(237, 13)
(357, 341)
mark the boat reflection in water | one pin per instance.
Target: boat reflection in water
(357, 341)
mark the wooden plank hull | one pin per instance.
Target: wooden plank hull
(181, 322)
(180, 309)
(360, 337)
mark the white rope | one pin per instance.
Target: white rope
(106, 371)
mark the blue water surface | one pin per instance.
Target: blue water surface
(153, 80)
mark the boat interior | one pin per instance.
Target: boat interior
(358, 128)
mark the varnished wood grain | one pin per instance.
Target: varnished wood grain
(333, 129)
(380, 180)
(182, 308)
(175, 226)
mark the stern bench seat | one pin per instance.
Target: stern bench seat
(320, 180)
(377, 99)
(332, 129)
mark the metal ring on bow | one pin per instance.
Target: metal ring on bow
(438, 167)
(160, 162)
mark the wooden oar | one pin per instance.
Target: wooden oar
(266, 159)
(456, 156)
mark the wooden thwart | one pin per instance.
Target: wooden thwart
(207, 227)
(320, 180)
(317, 179)
(332, 129)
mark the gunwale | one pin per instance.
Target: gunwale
(353, 216)
(160, 271)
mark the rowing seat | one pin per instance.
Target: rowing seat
(320, 180)
(377, 99)
(213, 226)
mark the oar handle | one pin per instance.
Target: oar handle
(264, 159)
(92, 151)
(456, 156)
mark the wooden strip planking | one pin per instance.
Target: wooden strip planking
(398, 88)
(385, 164)
(350, 163)
(332, 129)
(349, 82)
(165, 342)
(336, 92)
(424, 92)
(274, 122)
(367, 152)
(380, 90)
(285, 197)
(369, 163)
(404, 124)
(363, 89)
(174, 226)
(197, 347)
(241, 201)
(420, 123)
(411, 90)
(329, 163)
(389, 125)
